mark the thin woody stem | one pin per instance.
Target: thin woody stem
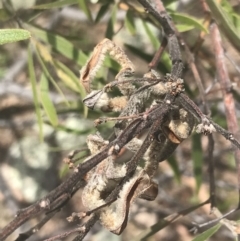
(67, 187)
(156, 116)
(153, 64)
(82, 230)
(225, 83)
(157, 9)
(105, 119)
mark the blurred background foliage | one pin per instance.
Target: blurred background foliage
(42, 117)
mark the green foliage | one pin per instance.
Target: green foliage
(186, 23)
(197, 156)
(129, 22)
(46, 101)
(174, 165)
(225, 17)
(34, 90)
(54, 61)
(85, 8)
(111, 23)
(13, 35)
(208, 233)
(56, 4)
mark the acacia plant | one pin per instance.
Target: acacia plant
(152, 104)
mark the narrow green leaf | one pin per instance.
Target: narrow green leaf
(226, 5)
(197, 156)
(224, 23)
(188, 20)
(168, 2)
(84, 6)
(13, 35)
(155, 43)
(70, 79)
(111, 63)
(236, 21)
(102, 11)
(64, 170)
(46, 101)
(110, 27)
(34, 90)
(183, 28)
(56, 4)
(67, 76)
(129, 22)
(153, 38)
(174, 165)
(48, 75)
(59, 44)
(208, 233)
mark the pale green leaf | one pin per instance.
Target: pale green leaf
(129, 22)
(224, 23)
(102, 11)
(71, 80)
(111, 23)
(169, 2)
(13, 35)
(188, 20)
(60, 44)
(153, 38)
(46, 101)
(67, 76)
(48, 75)
(111, 63)
(208, 233)
(183, 28)
(33, 82)
(174, 165)
(84, 6)
(56, 4)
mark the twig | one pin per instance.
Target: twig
(214, 221)
(87, 227)
(69, 186)
(157, 9)
(233, 62)
(225, 83)
(157, 116)
(231, 225)
(24, 236)
(82, 230)
(153, 64)
(168, 220)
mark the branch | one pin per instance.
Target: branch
(157, 9)
(225, 83)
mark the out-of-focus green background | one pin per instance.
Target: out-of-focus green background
(42, 117)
